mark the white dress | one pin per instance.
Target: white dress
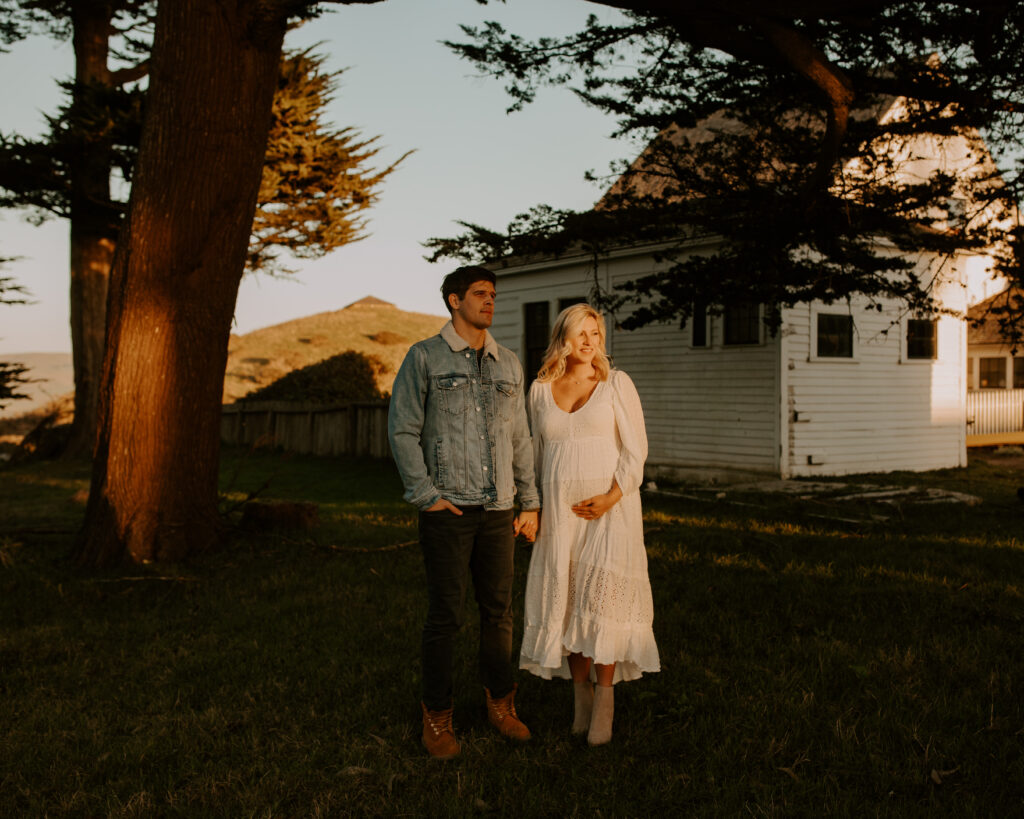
(587, 589)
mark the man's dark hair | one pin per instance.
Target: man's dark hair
(458, 281)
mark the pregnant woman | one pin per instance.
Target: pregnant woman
(588, 598)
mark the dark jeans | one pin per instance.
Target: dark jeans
(478, 544)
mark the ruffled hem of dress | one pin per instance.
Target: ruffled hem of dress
(545, 652)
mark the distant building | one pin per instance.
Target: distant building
(838, 390)
(995, 381)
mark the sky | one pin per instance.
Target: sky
(472, 160)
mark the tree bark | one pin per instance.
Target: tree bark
(175, 279)
(92, 237)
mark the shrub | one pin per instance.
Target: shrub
(348, 376)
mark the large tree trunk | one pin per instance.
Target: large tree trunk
(175, 278)
(92, 233)
(91, 256)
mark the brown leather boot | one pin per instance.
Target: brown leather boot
(502, 714)
(438, 735)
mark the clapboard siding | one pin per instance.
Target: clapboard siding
(705, 407)
(575, 279)
(714, 407)
(879, 412)
(773, 407)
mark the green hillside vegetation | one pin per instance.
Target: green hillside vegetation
(370, 327)
(348, 376)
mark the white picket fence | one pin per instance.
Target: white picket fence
(995, 411)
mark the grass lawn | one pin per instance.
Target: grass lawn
(816, 660)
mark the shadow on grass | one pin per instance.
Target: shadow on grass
(808, 669)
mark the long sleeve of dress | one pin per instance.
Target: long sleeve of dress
(629, 423)
(533, 407)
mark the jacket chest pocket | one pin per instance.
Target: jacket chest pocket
(505, 393)
(453, 392)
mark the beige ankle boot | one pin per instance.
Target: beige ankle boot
(583, 705)
(601, 720)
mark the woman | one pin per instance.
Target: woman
(588, 598)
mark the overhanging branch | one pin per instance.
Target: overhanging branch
(123, 76)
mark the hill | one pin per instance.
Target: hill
(369, 326)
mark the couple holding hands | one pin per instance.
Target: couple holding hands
(460, 437)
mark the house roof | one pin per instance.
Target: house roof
(654, 174)
(982, 325)
(651, 173)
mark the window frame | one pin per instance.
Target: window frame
(905, 356)
(700, 309)
(818, 310)
(736, 304)
(529, 371)
(1002, 369)
(1013, 373)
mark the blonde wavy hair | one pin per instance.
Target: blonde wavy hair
(568, 325)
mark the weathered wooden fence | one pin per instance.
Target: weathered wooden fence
(356, 428)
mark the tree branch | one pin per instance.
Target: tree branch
(812, 63)
(123, 76)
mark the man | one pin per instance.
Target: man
(459, 435)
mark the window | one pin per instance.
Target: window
(992, 373)
(742, 322)
(921, 338)
(1018, 373)
(699, 325)
(570, 301)
(536, 322)
(835, 335)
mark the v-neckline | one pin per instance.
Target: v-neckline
(581, 407)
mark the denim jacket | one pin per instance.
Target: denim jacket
(458, 427)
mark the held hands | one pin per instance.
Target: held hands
(526, 524)
(593, 508)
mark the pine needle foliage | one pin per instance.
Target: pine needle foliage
(787, 139)
(95, 120)
(317, 184)
(11, 375)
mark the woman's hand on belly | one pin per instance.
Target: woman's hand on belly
(595, 507)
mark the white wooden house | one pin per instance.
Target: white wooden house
(995, 383)
(838, 390)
